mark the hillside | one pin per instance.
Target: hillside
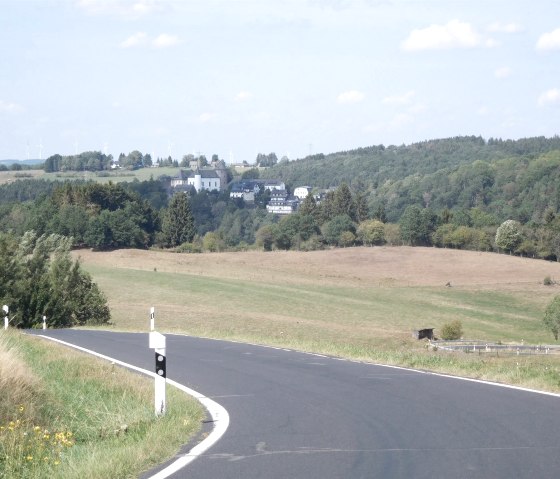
(509, 178)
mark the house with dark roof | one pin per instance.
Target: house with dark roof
(246, 189)
(281, 203)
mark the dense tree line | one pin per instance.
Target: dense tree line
(39, 278)
(459, 193)
(94, 215)
(86, 161)
(457, 172)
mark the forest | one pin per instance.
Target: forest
(463, 192)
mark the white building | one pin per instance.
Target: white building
(208, 180)
(301, 192)
(272, 185)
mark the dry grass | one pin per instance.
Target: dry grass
(356, 302)
(363, 294)
(380, 266)
(18, 384)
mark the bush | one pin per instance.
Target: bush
(452, 330)
(312, 244)
(548, 281)
(551, 317)
(194, 247)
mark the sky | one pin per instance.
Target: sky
(295, 77)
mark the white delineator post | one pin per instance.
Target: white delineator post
(157, 342)
(152, 319)
(44, 322)
(6, 320)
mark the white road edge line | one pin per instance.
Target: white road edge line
(403, 368)
(219, 414)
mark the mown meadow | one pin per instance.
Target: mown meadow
(359, 303)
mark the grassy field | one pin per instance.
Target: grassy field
(117, 176)
(359, 303)
(65, 414)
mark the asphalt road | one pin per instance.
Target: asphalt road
(295, 415)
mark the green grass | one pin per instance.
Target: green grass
(103, 416)
(115, 176)
(366, 323)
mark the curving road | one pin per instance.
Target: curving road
(296, 415)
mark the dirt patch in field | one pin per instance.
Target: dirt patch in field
(378, 266)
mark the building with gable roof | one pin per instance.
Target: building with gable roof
(209, 179)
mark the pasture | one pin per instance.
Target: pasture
(114, 176)
(360, 303)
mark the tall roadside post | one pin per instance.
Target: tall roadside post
(152, 319)
(157, 342)
(6, 320)
(44, 322)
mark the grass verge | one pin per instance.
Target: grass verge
(64, 414)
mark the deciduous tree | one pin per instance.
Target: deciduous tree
(508, 235)
(371, 232)
(551, 317)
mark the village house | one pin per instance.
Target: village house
(246, 189)
(209, 179)
(301, 192)
(282, 204)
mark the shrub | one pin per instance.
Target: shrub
(551, 317)
(347, 238)
(312, 244)
(452, 330)
(194, 247)
(548, 281)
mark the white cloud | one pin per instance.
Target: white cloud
(351, 96)
(145, 7)
(549, 41)
(141, 39)
(206, 117)
(454, 34)
(243, 96)
(136, 40)
(401, 119)
(403, 99)
(123, 8)
(549, 97)
(498, 27)
(165, 40)
(502, 72)
(10, 107)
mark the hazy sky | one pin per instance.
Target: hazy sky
(292, 77)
